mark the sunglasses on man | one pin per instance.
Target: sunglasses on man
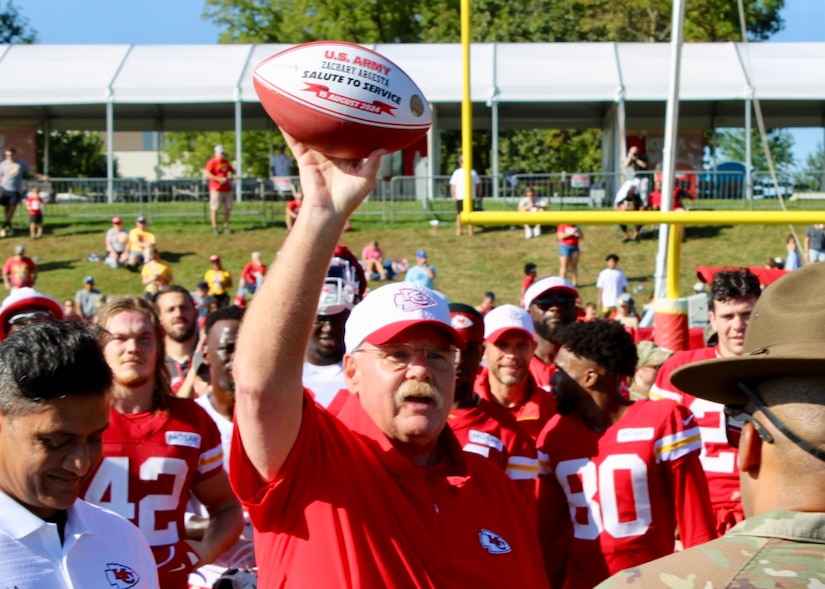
(736, 417)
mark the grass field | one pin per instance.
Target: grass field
(467, 267)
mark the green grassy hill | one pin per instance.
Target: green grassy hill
(467, 267)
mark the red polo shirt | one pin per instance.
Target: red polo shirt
(348, 510)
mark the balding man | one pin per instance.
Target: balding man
(774, 398)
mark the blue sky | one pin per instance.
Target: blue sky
(179, 21)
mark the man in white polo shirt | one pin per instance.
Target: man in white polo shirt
(54, 406)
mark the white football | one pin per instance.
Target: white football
(342, 99)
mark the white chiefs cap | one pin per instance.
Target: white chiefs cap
(507, 318)
(387, 311)
(540, 287)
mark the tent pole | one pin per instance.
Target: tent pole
(110, 149)
(238, 151)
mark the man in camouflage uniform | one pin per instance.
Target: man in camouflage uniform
(774, 397)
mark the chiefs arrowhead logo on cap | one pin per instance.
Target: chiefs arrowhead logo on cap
(411, 299)
(461, 322)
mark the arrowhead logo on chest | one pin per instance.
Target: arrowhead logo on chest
(492, 542)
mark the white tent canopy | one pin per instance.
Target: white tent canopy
(575, 85)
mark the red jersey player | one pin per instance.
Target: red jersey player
(551, 303)
(484, 427)
(158, 449)
(733, 295)
(616, 477)
(509, 343)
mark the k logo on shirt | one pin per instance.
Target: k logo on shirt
(492, 542)
(121, 576)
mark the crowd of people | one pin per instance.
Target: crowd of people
(331, 435)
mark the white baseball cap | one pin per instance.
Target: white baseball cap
(507, 318)
(546, 284)
(26, 299)
(387, 311)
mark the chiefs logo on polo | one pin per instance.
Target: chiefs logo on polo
(492, 542)
(461, 322)
(121, 576)
(411, 299)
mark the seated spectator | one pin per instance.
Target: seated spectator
(219, 281)
(591, 312)
(88, 299)
(139, 239)
(70, 311)
(422, 273)
(155, 275)
(529, 203)
(488, 304)
(252, 276)
(372, 259)
(117, 241)
(293, 207)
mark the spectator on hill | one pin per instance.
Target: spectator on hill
(70, 311)
(372, 259)
(815, 243)
(220, 174)
(88, 299)
(155, 275)
(139, 239)
(117, 242)
(792, 262)
(293, 207)
(219, 281)
(530, 271)
(19, 270)
(487, 304)
(252, 275)
(422, 273)
(34, 206)
(625, 312)
(569, 236)
(529, 203)
(610, 284)
(458, 192)
(629, 199)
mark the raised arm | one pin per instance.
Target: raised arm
(271, 344)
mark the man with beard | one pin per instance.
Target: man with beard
(509, 344)
(158, 449)
(613, 497)
(481, 426)
(551, 303)
(178, 318)
(219, 403)
(733, 296)
(381, 492)
(344, 287)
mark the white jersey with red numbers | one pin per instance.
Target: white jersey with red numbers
(719, 459)
(608, 501)
(491, 431)
(150, 462)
